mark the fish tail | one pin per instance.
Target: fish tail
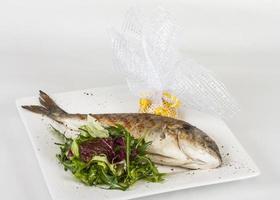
(48, 107)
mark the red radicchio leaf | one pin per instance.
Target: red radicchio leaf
(119, 146)
(114, 149)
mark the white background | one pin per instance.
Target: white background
(64, 45)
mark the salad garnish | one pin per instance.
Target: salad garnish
(107, 156)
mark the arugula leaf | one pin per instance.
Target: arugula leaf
(128, 151)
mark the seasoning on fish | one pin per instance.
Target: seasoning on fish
(174, 142)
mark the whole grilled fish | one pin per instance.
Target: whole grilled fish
(174, 142)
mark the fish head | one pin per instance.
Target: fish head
(199, 148)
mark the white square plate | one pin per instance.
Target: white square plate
(62, 186)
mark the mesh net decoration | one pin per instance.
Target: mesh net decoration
(145, 51)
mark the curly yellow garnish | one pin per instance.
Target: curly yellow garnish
(168, 108)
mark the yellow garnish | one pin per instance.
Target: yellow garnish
(171, 100)
(170, 104)
(144, 104)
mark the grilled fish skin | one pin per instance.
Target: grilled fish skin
(174, 142)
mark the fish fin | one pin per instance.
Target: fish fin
(37, 109)
(48, 107)
(49, 104)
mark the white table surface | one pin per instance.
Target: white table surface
(63, 45)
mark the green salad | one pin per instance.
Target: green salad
(107, 157)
